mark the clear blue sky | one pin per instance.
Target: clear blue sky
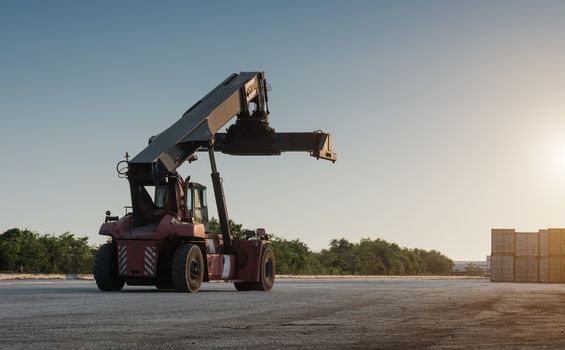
(448, 116)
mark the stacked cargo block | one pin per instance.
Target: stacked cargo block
(543, 256)
(528, 256)
(556, 255)
(502, 256)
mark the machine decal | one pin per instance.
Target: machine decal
(210, 247)
(150, 262)
(227, 266)
(122, 259)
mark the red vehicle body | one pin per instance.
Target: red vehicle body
(144, 254)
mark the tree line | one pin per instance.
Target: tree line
(368, 257)
(29, 252)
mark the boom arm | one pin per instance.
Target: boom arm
(243, 95)
(319, 144)
(198, 127)
(168, 150)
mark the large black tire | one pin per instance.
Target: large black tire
(266, 271)
(188, 268)
(106, 269)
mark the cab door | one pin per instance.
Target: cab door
(198, 204)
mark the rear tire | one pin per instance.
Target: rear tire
(106, 269)
(188, 268)
(267, 271)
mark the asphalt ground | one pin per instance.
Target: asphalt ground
(379, 313)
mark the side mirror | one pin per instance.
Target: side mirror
(108, 213)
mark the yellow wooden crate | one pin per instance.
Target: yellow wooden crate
(526, 244)
(502, 241)
(543, 269)
(526, 269)
(502, 268)
(543, 244)
(554, 269)
(554, 242)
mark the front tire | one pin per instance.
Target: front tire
(188, 268)
(106, 269)
(267, 271)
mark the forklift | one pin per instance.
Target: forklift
(165, 240)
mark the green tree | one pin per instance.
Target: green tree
(21, 250)
(237, 230)
(30, 252)
(436, 262)
(294, 257)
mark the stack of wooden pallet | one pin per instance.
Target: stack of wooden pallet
(528, 256)
(502, 255)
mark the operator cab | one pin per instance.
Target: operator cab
(196, 203)
(183, 199)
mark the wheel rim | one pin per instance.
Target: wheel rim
(194, 270)
(268, 268)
